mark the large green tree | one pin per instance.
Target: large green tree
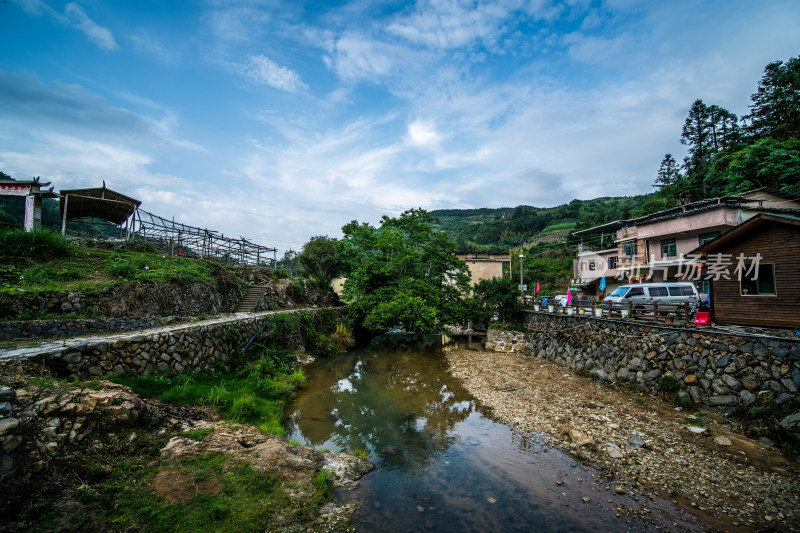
(775, 111)
(765, 163)
(320, 259)
(403, 274)
(501, 296)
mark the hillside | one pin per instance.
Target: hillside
(498, 229)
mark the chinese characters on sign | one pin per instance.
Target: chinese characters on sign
(8, 189)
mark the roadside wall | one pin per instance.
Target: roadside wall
(717, 369)
(194, 348)
(50, 329)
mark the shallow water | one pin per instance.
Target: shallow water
(442, 463)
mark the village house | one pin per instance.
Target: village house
(659, 246)
(754, 272)
(484, 265)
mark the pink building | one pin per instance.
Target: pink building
(657, 247)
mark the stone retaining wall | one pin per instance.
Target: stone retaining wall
(53, 329)
(505, 341)
(195, 348)
(716, 369)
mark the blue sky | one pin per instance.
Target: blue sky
(280, 120)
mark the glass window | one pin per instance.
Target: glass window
(707, 237)
(702, 287)
(658, 291)
(630, 248)
(675, 291)
(669, 248)
(636, 291)
(612, 262)
(619, 291)
(761, 281)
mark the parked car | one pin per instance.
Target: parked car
(666, 294)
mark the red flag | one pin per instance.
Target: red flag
(537, 287)
(569, 296)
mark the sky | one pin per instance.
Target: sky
(281, 120)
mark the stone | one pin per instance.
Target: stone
(747, 397)
(684, 397)
(791, 425)
(8, 425)
(784, 398)
(637, 442)
(789, 384)
(613, 450)
(8, 395)
(731, 382)
(718, 401)
(652, 375)
(696, 393)
(723, 361)
(600, 373)
(751, 383)
(722, 440)
(690, 379)
(619, 490)
(73, 357)
(579, 438)
(5, 408)
(695, 429)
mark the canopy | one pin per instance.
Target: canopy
(99, 202)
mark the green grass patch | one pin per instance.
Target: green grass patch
(255, 395)
(198, 434)
(323, 487)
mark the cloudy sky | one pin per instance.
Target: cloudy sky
(279, 120)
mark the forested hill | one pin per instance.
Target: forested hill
(498, 229)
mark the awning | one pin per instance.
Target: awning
(98, 202)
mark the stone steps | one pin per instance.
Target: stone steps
(251, 298)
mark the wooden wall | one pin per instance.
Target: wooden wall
(778, 244)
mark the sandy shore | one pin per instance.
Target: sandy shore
(698, 460)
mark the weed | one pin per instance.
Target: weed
(361, 453)
(293, 442)
(198, 434)
(323, 486)
(674, 488)
(669, 383)
(45, 382)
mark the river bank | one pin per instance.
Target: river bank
(697, 459)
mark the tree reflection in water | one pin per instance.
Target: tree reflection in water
(400, 406)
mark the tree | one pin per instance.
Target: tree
(668, 172)
(403, 274)
(765, 163)
(320, 259)
(775, 111)
(501, 296)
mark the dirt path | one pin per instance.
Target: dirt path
(726, 480)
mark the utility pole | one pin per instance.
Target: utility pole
(521, 256)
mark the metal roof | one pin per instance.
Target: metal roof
(99, 202)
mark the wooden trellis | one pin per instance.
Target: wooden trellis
(176, 238)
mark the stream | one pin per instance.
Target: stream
(442, 463)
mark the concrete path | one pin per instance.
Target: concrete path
(53, 347)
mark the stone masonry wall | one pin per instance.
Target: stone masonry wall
(505, 341)
(716, 369)
(194, 348)
(50, 329)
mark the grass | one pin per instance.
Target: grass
(44, 261)
(116, 494)
(255, 395)
(198, 434)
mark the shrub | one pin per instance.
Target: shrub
(39, 245)
(668, 383)
(126, 268)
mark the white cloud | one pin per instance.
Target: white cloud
(99, 35)
(263, 70)
(422, 133)
(148, 44)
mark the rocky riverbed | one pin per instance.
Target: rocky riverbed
(92, 455)
(699, 460)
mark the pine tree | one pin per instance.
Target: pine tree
(775, 111)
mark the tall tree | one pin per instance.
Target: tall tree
(403, 274)
(668, 173)
(320, 259)
(775, 111)
(724, 128)
(696, 134)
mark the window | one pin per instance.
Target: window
(687, 291)
(674, 291)
(636, 291)
(658, 291)
(629, 248)
(707, 237)
(669, 248)
(760, 281)
(702, 287)
(612, 263)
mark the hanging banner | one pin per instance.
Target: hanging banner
(11, 189)
(29, 213)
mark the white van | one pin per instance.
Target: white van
(666, 294)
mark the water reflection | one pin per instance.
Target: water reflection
(393, 404)
(443, 464)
